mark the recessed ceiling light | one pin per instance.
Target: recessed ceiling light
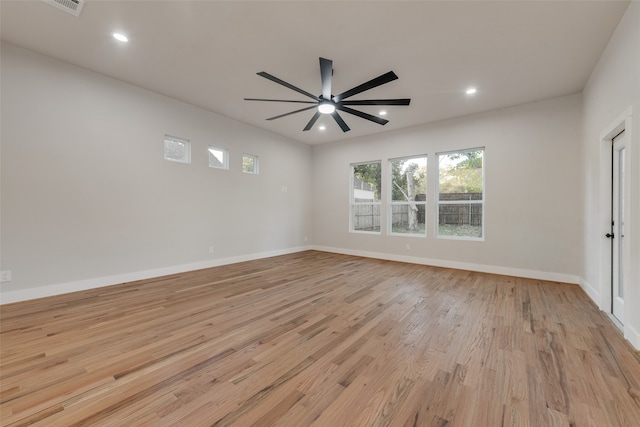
(322, 127)
(471, 91)
(383, 113)
(120, 37)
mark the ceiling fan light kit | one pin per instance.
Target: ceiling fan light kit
(326, 108)
(327, 103)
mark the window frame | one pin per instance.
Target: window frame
(353, 203)
(391, 203)
(186, 158)
(481, 202)
(256, 164)
(225, 157)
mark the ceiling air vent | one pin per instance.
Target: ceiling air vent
(70, 6)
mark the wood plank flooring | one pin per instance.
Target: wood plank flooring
(317, 339)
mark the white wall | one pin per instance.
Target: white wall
(612, 88)
(533, 215)
(88, 200)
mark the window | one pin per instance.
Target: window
(249, 163)
(408, 190)
(218, 158)
(177, 149)
(365, 197)
(461, 194)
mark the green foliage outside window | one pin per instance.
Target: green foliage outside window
(461, 172)
(371, 174)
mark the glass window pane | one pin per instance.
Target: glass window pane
(460, 219)
(366, 182)
(621, 221)
(249, 163)
(177, 149)
(218, 158)
(460, 173)
(366, 217)
(461, 194)
(408, 188)
(365, 196)
(402, 221)
(408, 178)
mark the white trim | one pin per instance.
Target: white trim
(256, 164)
(481, 268)
(632, 336)
(63, 288)
(465, 238)
(375, 233)
(187, 149)
(617, 126)
(590, 291)
(622, 122)
(616, 322)
(353, 203)
(225, 157)
(629, 333)
(391, 203)
(98, 282)
(461, 202)
(438, 202)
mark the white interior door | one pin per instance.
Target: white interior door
(618, 227)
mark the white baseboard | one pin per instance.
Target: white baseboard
(629, 332)
(632, 336)
(592, 292)
(97, 282)
(482, 268)
(62, 288)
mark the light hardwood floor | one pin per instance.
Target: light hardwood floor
(318, 339)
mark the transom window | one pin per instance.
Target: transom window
(218, 158)
(177, 149)
(250, 164)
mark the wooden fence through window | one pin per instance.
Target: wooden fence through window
(366, 217)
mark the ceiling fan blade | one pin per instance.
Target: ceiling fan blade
(313, 121)
(363, 115)
(380, 80)
(292, 112)
(340, 122)
(326, 72)
(285, 84)
(403, 101)
(279, 100)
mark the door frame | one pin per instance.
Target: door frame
(621, 123)
(619, 261)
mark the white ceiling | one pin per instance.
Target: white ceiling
(207, 53)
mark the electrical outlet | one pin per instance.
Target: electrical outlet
(306, 238)
(407, 247)
(210, 249)
(5, 276)
(284, 189)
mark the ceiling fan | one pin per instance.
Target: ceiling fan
(327, 103)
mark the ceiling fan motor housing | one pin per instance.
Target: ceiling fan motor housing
(327, 103)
